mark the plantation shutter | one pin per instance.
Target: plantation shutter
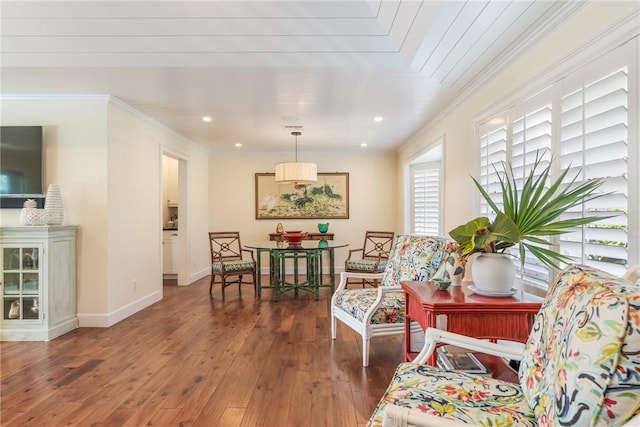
(531, 137)
(594, 137)
(425, 192)
(493, 150)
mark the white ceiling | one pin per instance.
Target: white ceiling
(258, 66)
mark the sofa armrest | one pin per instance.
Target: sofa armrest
(433, 337)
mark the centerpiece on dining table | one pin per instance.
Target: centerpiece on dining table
(294, 238)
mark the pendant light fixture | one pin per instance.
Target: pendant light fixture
(296, 173)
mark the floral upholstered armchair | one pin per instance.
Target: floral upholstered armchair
(580, 366)
(380, 311)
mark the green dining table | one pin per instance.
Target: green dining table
(310, 251)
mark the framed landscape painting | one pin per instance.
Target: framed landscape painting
(326, 198)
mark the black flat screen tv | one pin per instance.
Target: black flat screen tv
(21, 165)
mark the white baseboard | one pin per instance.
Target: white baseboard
(199, 274)
(89, 320)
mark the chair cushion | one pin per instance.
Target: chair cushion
(239, 265)
(357, 301)
(574, 372)
(414, 258)
(365, 265)
(465, 398)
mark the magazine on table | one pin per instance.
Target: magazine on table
(461, 361)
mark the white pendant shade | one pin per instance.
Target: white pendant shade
(301, 173)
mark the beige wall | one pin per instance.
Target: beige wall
(107, 159)
(372, 195)
(75, 135)
(573, 44)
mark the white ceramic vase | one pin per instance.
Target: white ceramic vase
(31, 215)
(53, 205)
(493, 272)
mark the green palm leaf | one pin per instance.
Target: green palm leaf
(529, 213)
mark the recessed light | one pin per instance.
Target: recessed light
(237, 144)
(377, 118)
(206, 119)
(364, 144)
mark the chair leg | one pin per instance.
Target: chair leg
(213, 280)
(240, 283)
(365, 351)
(334, 325)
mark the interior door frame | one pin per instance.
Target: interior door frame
(183, 243)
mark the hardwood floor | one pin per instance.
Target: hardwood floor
(194, 361)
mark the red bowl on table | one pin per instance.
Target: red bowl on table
(294, 238)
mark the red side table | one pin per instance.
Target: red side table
(506, 318)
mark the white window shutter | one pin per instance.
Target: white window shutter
(425, 190)
(594, 137)
(493, 151)
(531, 137)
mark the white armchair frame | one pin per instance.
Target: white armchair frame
(364, 328)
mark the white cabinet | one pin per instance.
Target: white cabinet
(38, 282)
(169, 251)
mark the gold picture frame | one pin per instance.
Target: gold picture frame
(328, 198)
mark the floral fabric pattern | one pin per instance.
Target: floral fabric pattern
(357, 301)
(582, 360)
(414, 258)
(466, 398)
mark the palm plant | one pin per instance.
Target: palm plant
(528, 214)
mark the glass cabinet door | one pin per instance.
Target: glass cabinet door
(21, 283)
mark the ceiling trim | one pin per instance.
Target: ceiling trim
(497, 66)
(612, 37)
(138, 114)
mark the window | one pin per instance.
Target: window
(425, 196)
(594, 137)
(584, 121)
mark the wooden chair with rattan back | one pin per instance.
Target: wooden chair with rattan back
(229, 259)
(372, 256)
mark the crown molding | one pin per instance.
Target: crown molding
(614, 36)
(104, 98)
(43, 97)
(620, 31)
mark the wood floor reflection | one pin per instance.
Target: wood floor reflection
(191, 360)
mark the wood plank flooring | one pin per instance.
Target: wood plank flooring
(194, 361)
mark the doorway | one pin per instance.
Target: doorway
(174, 219)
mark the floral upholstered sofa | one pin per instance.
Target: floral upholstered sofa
(380, 311)
(580, 366)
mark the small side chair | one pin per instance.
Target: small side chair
(230, 259)
(372, 256)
